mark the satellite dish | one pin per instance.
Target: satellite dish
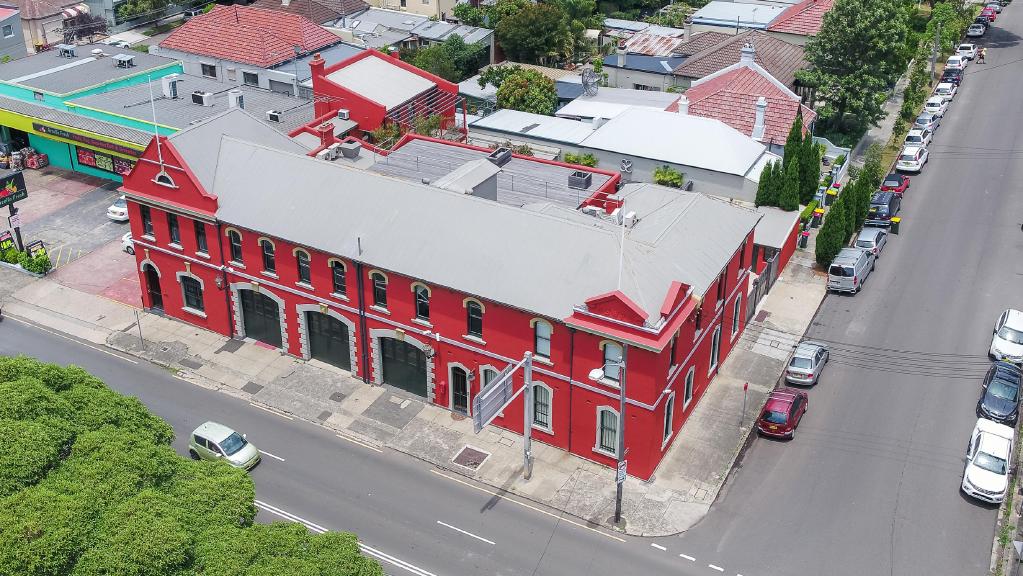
(591, 83)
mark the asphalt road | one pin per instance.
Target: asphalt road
(870, 485)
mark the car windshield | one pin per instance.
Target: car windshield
(798, 362)
(120, 203)
(233, 443)
(1014, 336)
(775, 417)
(990, 463)
(1002, 389)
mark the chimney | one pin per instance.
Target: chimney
(683, 105)
(758, 123)
(746, 56)
(316, 66)
(235, 99)
(621, 53)
(687, 30)
(326, 132)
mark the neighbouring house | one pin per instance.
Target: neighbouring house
(608, 103)
(253, 46)
(436, 9)
(379, 28)
(42, 21)
(734, 17)
(801, 21)
(779, 58)
(746, 97)
(398, 297)
(714, 158)
(323, 12)
(12, 38)
(645, 61)
(371, 89)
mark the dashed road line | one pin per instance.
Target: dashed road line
(658, 546)
(524, 505)
(360, 443)
(270, 410)
(265, 453)
(690, 558)
(713, 567)
(469, 534)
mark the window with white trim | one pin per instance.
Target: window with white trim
(474, 319)
(688, 393)
(173, 230)
(715, 347)
(607, 430)
(379, 289)
(673, 351)
(192, 292)
(669, 415)
(337, 277)
(269, 260)
(302, 265)
(422, 302)
(542, 338)
(200, 236)
(612, 361)
(147, 221)
(736, 313)
(235, 240)
(488, 376)
(542, 406)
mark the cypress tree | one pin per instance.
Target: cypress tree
(809, 170)
(788, 198)
(762, 186)
(829, 240)
(794, 142)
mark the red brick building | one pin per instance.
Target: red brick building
(435, 266)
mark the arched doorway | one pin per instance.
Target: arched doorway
(404, 365)
(459, 390)
(261, 317)
(328, 340)
(153, 287)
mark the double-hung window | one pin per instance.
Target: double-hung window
(172, 228)
(302, 265)
(200, 237)
(269, 261)
(192, 291)
(542, 339)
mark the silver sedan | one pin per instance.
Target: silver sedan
(873, 239)
(806, 363)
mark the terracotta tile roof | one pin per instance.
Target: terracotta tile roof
(700, 42)
(249, 35)
(803, 19)
(732, 98)
(780, 58)
(319, 11)
(35, 9)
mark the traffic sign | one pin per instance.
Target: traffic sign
(492, 399)
(15, 220)
(621, 471)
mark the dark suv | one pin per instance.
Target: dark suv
(953, 75)
(1000, 400)
(883, 206)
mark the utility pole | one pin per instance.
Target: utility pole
(935, 50)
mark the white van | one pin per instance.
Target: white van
(850, 269)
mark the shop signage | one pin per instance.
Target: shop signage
(115, 164)
(6, 240)
(36, 248)
(88, 141)
(12, 189)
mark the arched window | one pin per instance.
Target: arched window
(688, 394)
(337, 276)
(736, 313)
(422, 302)
(715, 347)
(612, 361)
(607, 431)
(192, 292)
(302, 265)
(542, 331)
(164, 179)
(379, 289)
(474, 319)
(669, 416)
(269, 263)
(234, 238)
(542, 395)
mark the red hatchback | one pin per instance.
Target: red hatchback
(895, 182)
(990, 13)
(782, 413)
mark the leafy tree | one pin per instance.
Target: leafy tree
(528, 91)
(809, 169)
(537, 34)
(150, 9)
(764, 187)
(830, 238)
(794, 141)
(495, 75)
(488, 16)
(788, 199)
(668, 176)
(452, 60)
(856, 56)
(954, 17)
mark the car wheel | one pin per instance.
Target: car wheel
(130, 250)
(192, 454)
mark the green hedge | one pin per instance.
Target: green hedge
(40, 264)
(807, 212)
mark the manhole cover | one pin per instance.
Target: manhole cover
(193, 364)
(471, 458)
(252, 388)
(337, 397)
(323, 416)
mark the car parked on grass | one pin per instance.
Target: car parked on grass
(896, 182)
(912, 159)
(127, 244)
(849, 270)
(999, 400)
(1007, 341)
(967, 50)
(936, 105)
(873, 239)
(918, 137)
(956, 61)
(883, 206)
(782, 413)
(118, 211)
(927, 120)
(806, 363)
(212, 441)
(946, 90)
(986, 476)
(976, 30)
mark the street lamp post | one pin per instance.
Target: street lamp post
(596, 375)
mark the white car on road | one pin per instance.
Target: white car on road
(912, 159)
(956, 61)
(118, 211)
(1007, 341)
(986, 476)
(918, 137)
(936, 105)
(968, 51)
(127, 244)
(946, 90)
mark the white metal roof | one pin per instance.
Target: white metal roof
(610, 102)
(551, 128)
(380, 81)
(680, 139)
(721, 13)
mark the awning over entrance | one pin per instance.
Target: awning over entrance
(74, 11)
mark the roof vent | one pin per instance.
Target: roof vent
(630, 219)
(591, 209)
(235, 99)
(202, 98)
(580, 180)
(351, 149)
(273, 115)
(500, 157)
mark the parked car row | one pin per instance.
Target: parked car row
(785, 407)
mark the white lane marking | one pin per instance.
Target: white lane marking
(470, 534)
(658, 546)
(524, 505)
(713, 567)
(360, 443)
(690, 558)
(369, 550)
(272, 455)
(270, 410)
(76, 341)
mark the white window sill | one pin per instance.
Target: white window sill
(717, 307)
(602, 452)
(542, 360)
(203, 255)
(149, 237)
(268, 274)
(379, 309)
(337, 296)
(539, 428)
(422, 322)
(238, 265)
(617, 385)
(175, 246)
(686, 403)
(667, 440)
(475, 339)
(305, 285)
(193, 311)
(712, 370)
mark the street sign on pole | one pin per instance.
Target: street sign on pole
(621, 471)
(492, 399)
(14, 220)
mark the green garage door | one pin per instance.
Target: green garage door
(404, 365)
(261, 317)
(328, 340)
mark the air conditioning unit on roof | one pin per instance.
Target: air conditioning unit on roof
(343, 114)
(273, 115)
(202, 98)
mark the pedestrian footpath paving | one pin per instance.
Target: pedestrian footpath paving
(680, 494)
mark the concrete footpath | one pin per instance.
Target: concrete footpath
(681, 493)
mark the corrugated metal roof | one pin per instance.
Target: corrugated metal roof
(774, 228)
(655, 64)
(380, 81)
(610, 102)
(735, 14)
(51, 72)
(536, 261)
(535, 126)
(652, 44)
(98, 127)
